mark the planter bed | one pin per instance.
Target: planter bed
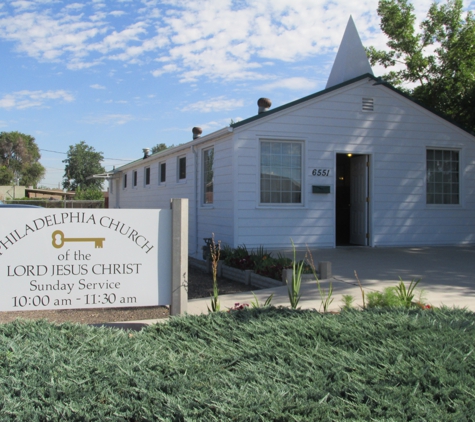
(258, 280)
(248, 277)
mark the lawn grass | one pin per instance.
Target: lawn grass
(251, 365)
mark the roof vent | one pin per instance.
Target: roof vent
(197, 131)
(367, 104)
(146, 152)
(264, 105)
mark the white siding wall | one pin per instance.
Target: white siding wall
(215, 218)
(396, 135)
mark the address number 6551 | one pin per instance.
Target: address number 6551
(321, 172)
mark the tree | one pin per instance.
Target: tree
(83, 161)
(438, 62)
(160, 147)
(89, 194)
(19, 159)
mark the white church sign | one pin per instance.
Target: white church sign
(81, 258)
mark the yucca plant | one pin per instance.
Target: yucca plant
(326, 297)
(293, 287)
(255, 302)
(406, 295)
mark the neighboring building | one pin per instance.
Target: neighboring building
(358, 163)
(48, 194)
(12, 192)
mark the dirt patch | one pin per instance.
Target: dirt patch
(200, 285)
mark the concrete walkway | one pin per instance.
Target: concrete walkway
(447, 277)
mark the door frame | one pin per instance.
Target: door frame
(369, 189)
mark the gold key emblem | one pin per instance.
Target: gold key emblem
(59, 239)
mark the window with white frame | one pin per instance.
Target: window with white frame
(147, 176)
(163, 172)
(134, 178)
(181, 168)
(442, 176)
(208, 175)
(281, 172)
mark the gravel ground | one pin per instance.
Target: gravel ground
(200, 286)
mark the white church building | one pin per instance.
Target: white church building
(358, 163)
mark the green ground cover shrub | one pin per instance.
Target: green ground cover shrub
(252, 365)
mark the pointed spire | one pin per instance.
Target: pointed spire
(351, 60)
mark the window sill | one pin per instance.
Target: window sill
(444, 206)
(281, 206)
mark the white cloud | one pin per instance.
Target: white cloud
(43, 37)
(97, 86)
(75, 6)
(110, 119)
(27, 99)
(214, 104)
(120, 40)
(214, 125)
(296, 83)
(117, 13)
(228, 40)
(22, 4)
(165, 69)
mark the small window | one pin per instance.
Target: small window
(147, 176)
(125, 181)
(208, 176)
(163, 172)
(442, 177)
(181, 168)
(135, 177)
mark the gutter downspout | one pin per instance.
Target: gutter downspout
(195, 154)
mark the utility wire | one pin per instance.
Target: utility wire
(65, 153)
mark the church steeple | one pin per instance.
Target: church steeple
(351, 60)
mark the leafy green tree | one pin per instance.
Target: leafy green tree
(19, 158)
(438, 61)
(6, 176)
(89, 194)
(160, 147)
(83, 161)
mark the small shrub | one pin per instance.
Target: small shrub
(273, 267)
(89, 194)
(239, 258)
(385, 299)
(348, 301)
(226, 251)
(259, 256)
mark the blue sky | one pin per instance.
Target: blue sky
(123, 75)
